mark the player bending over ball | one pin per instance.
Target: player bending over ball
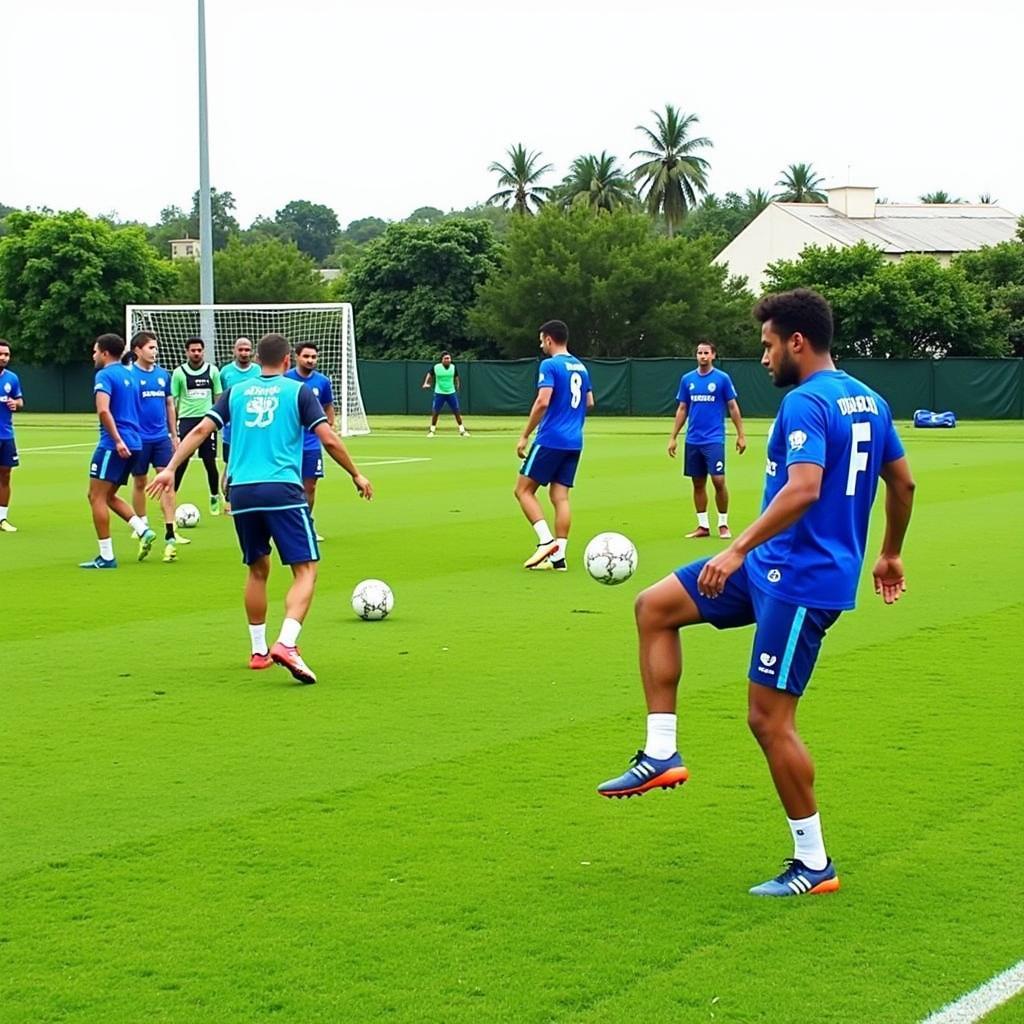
(563, 397)
(791, 573)
(269, 416)
(11, 401)
(444, 379)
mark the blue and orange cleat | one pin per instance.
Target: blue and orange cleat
(799, 880)
(646, 773)
(99, 563)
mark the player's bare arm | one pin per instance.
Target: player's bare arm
(428, 381)
(14, 404)
(801, 490)
(172, 423)
(899, 503)
(677, 425)
(164, 480)
(107, 420)
(337, 451)
(540, 405)
(737, 419)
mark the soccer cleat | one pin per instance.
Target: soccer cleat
(701, 531)
(99, 562)
(543, 552)
(5, 527)
(646, 773)
(542, 566)
(146, 539)
(430, 432)
(170, 552)
(463, 433)
(319, 539)
(289, 658)
(214, 505)
(179, 539)
(558, 564)
(724, 532)
(799, 880)
(260, 661)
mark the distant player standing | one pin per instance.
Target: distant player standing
(563, 398)
(11, 401)
(118, 408)
(305, 372)
(444, 379)
(270, 415)
(243, 368)
(704, 397)
(158, 430)
(194, 386)
(791, 573)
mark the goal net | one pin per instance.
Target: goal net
(328, 324)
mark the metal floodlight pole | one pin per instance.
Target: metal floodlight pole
(205, 214)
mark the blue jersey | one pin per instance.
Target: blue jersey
(706, 396)
(269, 415)
(10, 387)
(118, 381)
(229, 376)
(321, 388)
(154, 387)
(834, 421)
(562, 426)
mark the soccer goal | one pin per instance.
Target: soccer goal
(328, 324)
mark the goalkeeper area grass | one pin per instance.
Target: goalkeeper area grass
(417, 837)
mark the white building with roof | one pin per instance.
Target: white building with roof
(851, 215)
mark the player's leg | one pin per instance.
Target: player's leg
(558, 491)
(435, 409)
(168, 503)
(5, 498)
(457, 413)
(295, 540)
(225, 454)
(312, 472)
(253, 534)
(184, 426)
(695, 467)
(208, 454)
(99, 492)
(532, 476)
(722, 504)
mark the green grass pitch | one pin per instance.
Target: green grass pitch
(417, 838)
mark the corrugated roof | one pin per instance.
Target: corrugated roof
(928, 227)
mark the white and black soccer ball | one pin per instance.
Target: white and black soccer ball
(610, 558)
(186, 516)
(372, 600)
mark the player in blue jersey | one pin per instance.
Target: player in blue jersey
(158, 430)
(270, 416)
(563, 397)
(305, 372)
(705, 395)
(791, 573)
(243, 368)
(11, 400)
(118, 407)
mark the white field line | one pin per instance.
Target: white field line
(58, 447)
(388, 462)
(983, 1000)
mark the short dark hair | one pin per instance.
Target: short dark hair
(800, 310)
(710, 344)
(272, 349)
(5, 343)
(307, 344)
(141, 338)
(194, 340)
(448, 354)
(112, 344)
(555, 329)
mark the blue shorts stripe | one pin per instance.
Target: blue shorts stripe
(314, 554)
(106, 462)
(787, 657)
(531, 459)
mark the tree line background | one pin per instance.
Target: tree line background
(624, 255)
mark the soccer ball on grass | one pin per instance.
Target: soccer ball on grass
(610, 558)
(186, 516)
(372, 600)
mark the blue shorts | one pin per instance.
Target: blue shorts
(440, 401)
(704, 459)
(788, 636)
(152, 453)
(273, 512)
(547, 465)
(108, 465)
(8, 453)
(312, 465)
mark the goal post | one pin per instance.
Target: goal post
(329, 325)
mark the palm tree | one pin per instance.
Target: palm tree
(520, 177)
(671, 173)
(800, 184)
(597, 181)
(939, 197)
(757, 200)
(986, 199)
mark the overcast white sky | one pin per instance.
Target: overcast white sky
(376, 108)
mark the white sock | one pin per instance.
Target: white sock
(543, 533)
(289, 635)
(138, 525)
(462, 428)
(563, 543)
(145, 521)
(432, 428)
(723, 518)
(107, 549)
(258, 637)
(808, 846)
(702, 520)
(3, 512)
(661, 736)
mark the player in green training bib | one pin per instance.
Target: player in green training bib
(195, 386)
(444, 379)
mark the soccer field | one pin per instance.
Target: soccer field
(417, 837)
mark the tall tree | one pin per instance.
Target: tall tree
(425, 215)
(671, 172)
(517, 181)
(800, 183)
(223, 220)
(938, 197)
(313, 227)
(597, 181)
